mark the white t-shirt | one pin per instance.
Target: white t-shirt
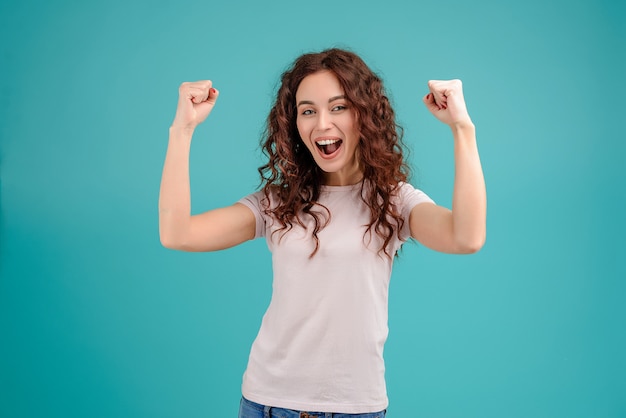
(320, 346)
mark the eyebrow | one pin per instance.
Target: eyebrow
(332, 99)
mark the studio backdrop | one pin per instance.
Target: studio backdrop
(97, 319)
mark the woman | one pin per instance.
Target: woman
(334, 208)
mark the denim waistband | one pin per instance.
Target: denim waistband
(249, 409)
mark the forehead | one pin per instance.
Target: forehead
(322, 84)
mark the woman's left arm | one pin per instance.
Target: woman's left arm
(461, 230)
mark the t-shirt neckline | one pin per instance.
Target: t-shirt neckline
(347, 187)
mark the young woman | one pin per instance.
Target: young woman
(334, 207)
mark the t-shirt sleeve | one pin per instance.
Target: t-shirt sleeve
(254, 202)
(409, 198)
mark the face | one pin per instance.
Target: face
(328, 127)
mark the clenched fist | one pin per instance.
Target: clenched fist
(446, 102)
(195, 102)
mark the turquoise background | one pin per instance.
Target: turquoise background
(98, 320)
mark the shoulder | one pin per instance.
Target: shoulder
(263, 203)
(408, 196)
(254, 200)
(261, 200)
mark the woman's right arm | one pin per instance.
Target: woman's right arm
(210, 231)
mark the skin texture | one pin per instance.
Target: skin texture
(460, 230)
(325, 114)
(210, 231)
(292, 178)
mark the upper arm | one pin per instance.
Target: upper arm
(432, 226)
(219, 229)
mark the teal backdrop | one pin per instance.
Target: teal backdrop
(98, 320)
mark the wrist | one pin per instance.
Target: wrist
(463, 127)
(183, 132)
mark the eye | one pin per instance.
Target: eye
(339, 108)
(307, 112)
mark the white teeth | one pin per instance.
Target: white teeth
(327, 141)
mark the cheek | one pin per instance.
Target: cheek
(352, 125)
(300, 128)
(305, 127)
(353, 132)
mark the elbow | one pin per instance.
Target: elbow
(180, 243)
(168, 243)
(471, 246)
(172, 236)
(171, 242)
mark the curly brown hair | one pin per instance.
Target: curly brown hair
(292, 176)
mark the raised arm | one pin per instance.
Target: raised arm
(213, 230)
(461, 230)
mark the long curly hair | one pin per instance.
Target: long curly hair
(293, 178)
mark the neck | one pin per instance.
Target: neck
(342, 178)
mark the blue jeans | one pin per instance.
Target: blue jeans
(249, 409)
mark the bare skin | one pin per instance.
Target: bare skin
(460, 230)
(210, 231)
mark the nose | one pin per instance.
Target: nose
(323, 121)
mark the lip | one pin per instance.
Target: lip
(325, 138)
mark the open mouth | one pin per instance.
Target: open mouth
(329, 146)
